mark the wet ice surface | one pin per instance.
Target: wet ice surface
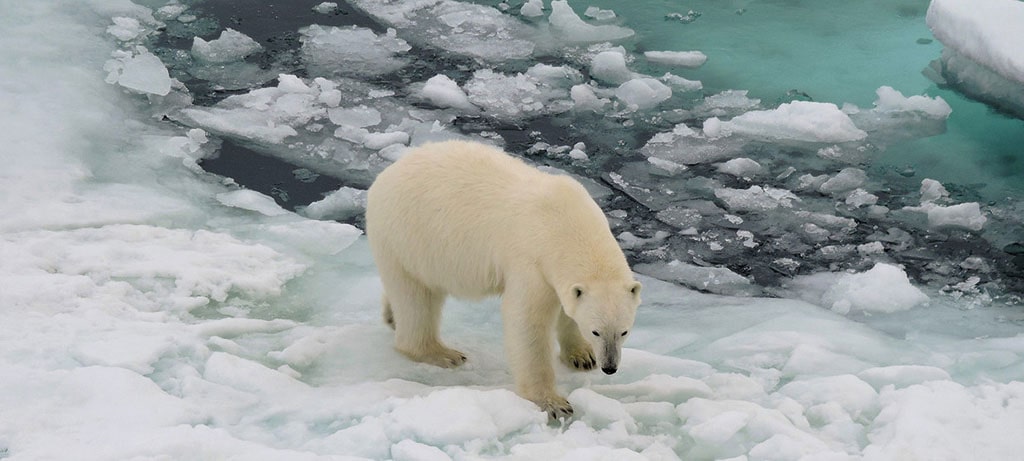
(153, 309)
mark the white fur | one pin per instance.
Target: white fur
(465, 219)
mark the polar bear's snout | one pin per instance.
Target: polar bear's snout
(610, 360)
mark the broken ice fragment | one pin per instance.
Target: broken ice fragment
(230, 46)
(568, 26)
(145, 73)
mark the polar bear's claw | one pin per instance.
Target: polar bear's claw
(580, 359)
(558, 408)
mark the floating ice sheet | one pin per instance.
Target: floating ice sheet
(463, 28)
(982, 55)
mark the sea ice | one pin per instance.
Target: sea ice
(230, 46)
(134, 280)
(353, 51)
(142, 72)
(473, 30)
(884, 288)
(610, 67)
(677, 58)
(442, 91)
(981, 56)
(326, 8)
(513, 97)
(532, 8)
(711, 279)
(643, 93)
(741, 167)
(569, 27)
(795, 121)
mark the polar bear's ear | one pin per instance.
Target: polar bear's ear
(635, 288)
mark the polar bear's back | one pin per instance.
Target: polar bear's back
(451, 214)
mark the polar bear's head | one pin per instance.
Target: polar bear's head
(604, 313)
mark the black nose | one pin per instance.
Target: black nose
(609, 370)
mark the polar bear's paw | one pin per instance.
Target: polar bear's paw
(440, 356)
(579, 358)
(556, 407)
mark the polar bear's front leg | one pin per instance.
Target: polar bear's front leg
(575, 353)
(528, 314)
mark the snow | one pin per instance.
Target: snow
(153, 310)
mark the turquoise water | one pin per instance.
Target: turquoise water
(840, 52)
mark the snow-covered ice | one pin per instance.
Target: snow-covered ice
(152, 310)
(982, 53)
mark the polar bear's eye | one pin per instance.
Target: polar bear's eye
(596, 333)
(624, 333)
(578, 292)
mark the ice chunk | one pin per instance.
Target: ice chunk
(251, 200)
(444, 92)
(902, 375)
(410, 450)
(859, 198)
(756, 198)
(884, 288)
(740, 167)
(643, 93)
(964, 215)
(532, 8)
(610, 67)
(797, 121)
(230, 46)
(982, 55)
(359, 116)
(719, 280)
(726, 103)
(932, 191)
(457, 415)
(846, 180)
(512, 97)
(145, 73)
(584, 98)
(681, 83)
(464, 28)
(677, 58)
(890, 100)
(569, 27)
(353, 50)
(594, 12)
(126, 29)
(856, 397)
(326, 8)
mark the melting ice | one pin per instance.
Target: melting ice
(801, 302)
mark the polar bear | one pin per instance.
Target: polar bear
(467, 220)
